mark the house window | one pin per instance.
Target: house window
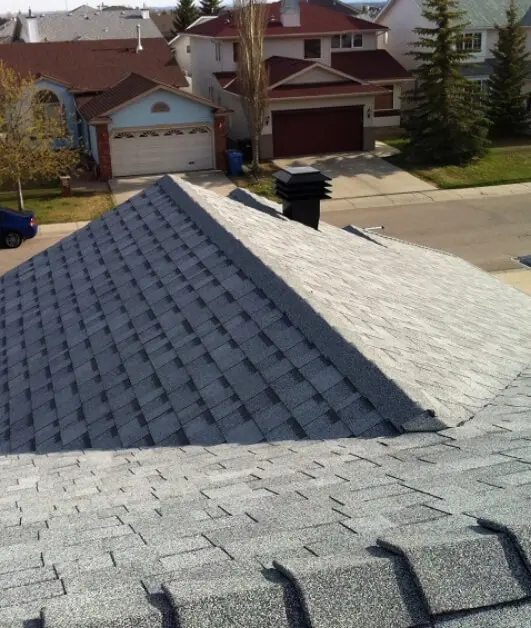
(235, 51)
(312, 48)
(210, 92)
(384, 101)
(470, 42)
(347, 41)
(357, 40)
(188, 49)
(160, 107)
(217, 49)
(47, 105)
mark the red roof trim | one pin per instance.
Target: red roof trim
(324, 89)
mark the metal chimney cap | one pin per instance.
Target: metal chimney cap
(300, 175)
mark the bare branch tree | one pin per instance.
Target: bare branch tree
(31, 123)
(251, 20)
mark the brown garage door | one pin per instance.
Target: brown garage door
(315, 131)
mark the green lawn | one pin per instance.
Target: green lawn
(263, 184)
(50, 207)
(503, 164)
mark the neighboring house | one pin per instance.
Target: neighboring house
(481, 36)
(330, 86)
(164, 22)
(180, 44)
(335, 5)
(213, 416)
(124, 104)
(84, 23)
(7, 31)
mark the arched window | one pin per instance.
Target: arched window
(160, 107)
(48, 105)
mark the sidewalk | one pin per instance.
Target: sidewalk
(60, 228)
(431, 196)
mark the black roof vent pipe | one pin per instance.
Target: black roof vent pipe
(301, 190)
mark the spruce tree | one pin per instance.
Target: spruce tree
(210, 7)
(184, 14)
(507, 109)
(447, 124)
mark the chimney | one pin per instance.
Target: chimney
(139, 40)
(301, 190)
(32, 28)
(290, 13)
(144, 13)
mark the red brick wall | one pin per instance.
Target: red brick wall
(220, 140)
(104, 152)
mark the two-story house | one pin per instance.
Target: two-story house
(480, 37)
(330, 85)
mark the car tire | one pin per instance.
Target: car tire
(12, 240)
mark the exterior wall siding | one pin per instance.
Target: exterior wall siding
(401, 19)
(316, 75)
(183, 58)
(182, 111)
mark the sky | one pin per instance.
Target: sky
(37, 6)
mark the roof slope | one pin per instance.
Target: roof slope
(437, 328)
(95, 65)
(314, 19)
(131, 87)
(164, 22)
(87, 23)
(420, 530)
(369, 65)
(154, 335)
(480, 13)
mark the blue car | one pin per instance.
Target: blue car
(16, 226)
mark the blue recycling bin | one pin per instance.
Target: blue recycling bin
(235, 158)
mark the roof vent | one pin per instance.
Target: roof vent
(301, 190)
(139, 40)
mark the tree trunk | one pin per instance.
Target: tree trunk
(256, 155)
(20, 196)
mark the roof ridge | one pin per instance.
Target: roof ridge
(392, 401)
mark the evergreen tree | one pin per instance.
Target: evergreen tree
(447, 124)
(184, 14)
(210, 7)
(507, 109)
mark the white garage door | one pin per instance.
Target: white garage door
(159, 151)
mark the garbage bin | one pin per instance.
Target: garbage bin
(235, 158)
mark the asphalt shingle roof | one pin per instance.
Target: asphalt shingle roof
(91, 24)
(174, 408)
(95, 65)
(314, 18)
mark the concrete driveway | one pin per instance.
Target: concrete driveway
(360, 174)
(124, 188)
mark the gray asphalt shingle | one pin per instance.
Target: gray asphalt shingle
(177, 428)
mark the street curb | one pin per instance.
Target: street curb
(436, 195)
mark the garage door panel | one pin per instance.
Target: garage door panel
(158, 151)
(300, 132)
